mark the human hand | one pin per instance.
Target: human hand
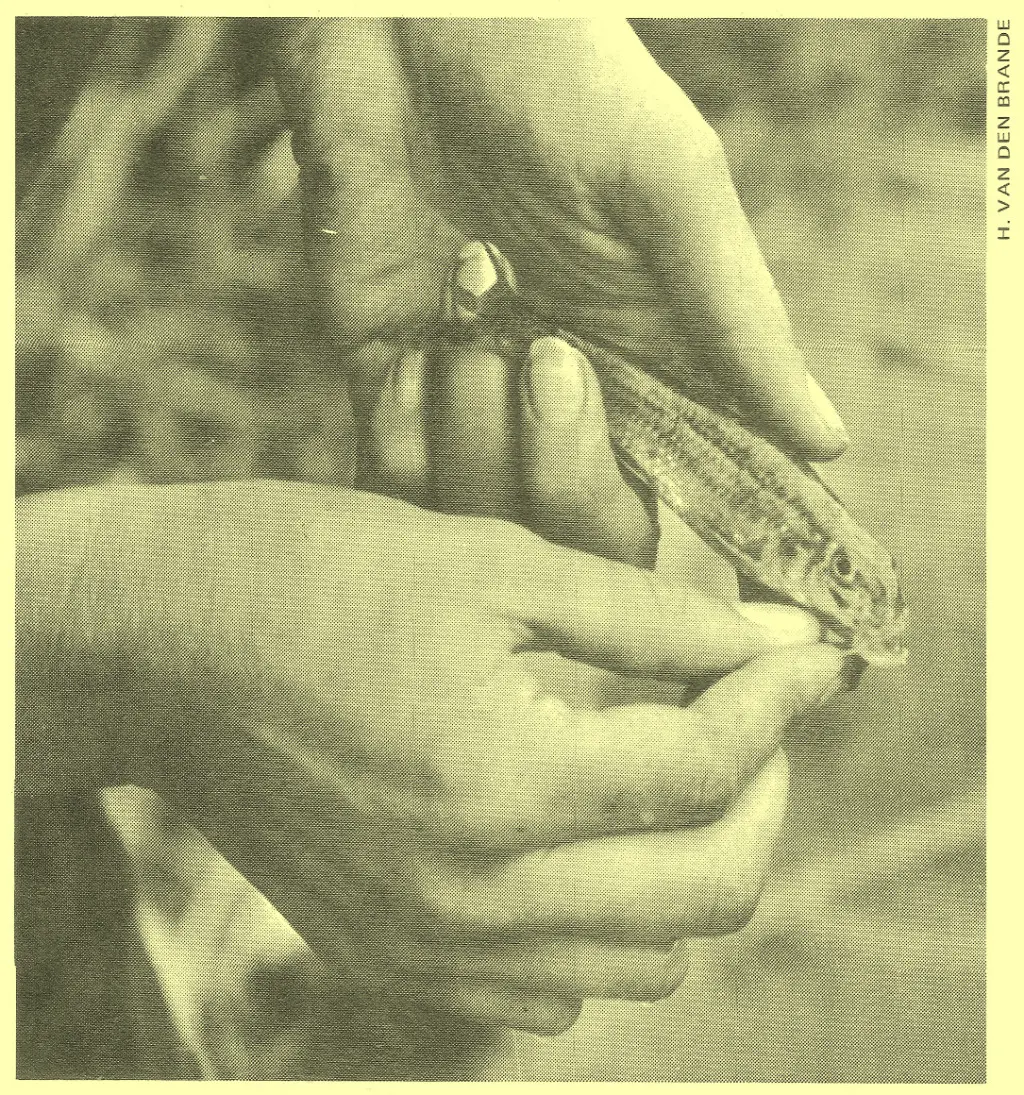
(469, 432)
(330, 687)
(564, 143)
(480, 435)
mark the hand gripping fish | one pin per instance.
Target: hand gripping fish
(774, 521)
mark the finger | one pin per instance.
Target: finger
(775, 689)
(434, 982)
(573, 489)
(683, 210)
(648, 767)
(645, 889)
(471, 430)
(491, 1006)
(628, 620)
(638, 768)
(564, 967)
(394, 458)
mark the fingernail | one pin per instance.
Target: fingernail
(557, 384)
(476, 273)
(783, 624)
(408, 381)
(823, 406)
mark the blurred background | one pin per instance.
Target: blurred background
(166, 332)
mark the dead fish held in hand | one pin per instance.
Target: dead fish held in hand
(775, 521)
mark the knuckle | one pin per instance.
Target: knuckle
(469, 825)
(501, 809)
(468, 801)
(454, 919)
(679, 132)
(701, 143)
(685, 132)
(619, 807)
(493, 827)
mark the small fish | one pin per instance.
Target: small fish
(775, 521)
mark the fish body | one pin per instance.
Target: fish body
(773, 520)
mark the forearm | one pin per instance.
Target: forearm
(91, 565)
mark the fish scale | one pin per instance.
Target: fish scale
(774, 520)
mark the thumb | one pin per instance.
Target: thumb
(574, 492)
(680, 206)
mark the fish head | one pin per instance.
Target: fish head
(855, 586)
